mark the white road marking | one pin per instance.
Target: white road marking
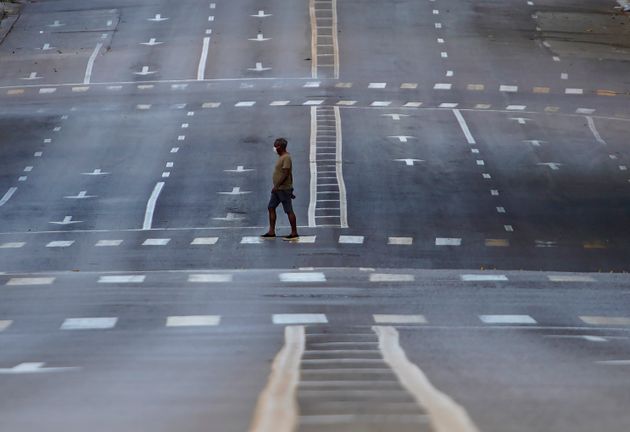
(90, 64)
(445, 414)
(34, 367)
(32, 76)
(89, 323)
(480, 162)
(312, 84)
(442, 86)
(500, 209)
(5, 324)
(483, 277)
(402, 138)
(193, 321)
(277, 406)
(444, 54)
(515, 107)
(157, 18)
(464, 127)
(67, 220)
(508, 88)
(239, 169)
(22, 178)
(259, 68)
(204, 241)
(348, 239)
(442, 241)
(48, 90)
(235, 191)
(80, 195)
(261, 14)
(120, 279)
(245, 104)
(381, 103)
(564, 76)
(12, 245)
(614, 362)
(391, 277)
(152, 42)
(145, 71)
(412, 104)
(594, 131)
(556, 58)
(494, 192)
(201, 69)
(251, 239)
(302, 277)
(508, 228)
(280, 103)
(375, 85)
(174, 149)
(507, 319)
(406, 241)
(520, 120)
(553, 165)
(399, 319)
(438, 25)
(156, 242)
(259, 38)
(108, 243)
(59, 244)
(299, 319)
(38, 154)
(343, 201)
(28, 169)
(606, 320)
(7, 196)
(81, 89)
(577, 91)
(570, 278)
(535, 143)
(313, 168)
(143, 106)
(440, 40)
(449, 73)
(148, 214)
(211, 18)
(312, 102)
(19, 281)
(230, 217)
(210, 278)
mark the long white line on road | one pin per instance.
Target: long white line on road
(7, 196)
(343, 201)
(445, 414)
(277, 407)
(201, 70)
(313, 165)
(591, 126)
(464, 126)
(90, 64)
(148, 214)
(335, 39)
(311, 9)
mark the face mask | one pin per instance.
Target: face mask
(274, 150)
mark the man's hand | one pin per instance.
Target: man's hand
(274, 189)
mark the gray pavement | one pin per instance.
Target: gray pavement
(461, 175)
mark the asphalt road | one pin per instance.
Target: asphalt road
(461, 173)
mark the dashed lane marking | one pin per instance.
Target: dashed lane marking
(204, 241)
(60, 244)
(507, 319)
(18, 281)
(210, 278)
(406, 241)
(100, 323)
(483, 278)
(442, 241)
(251, 240)
(193, 321)
(603, 321)
(302, 277)
(399, 319)
(570, 278)
(156, 242)
(5, 324)
(348, 239)
(391, 277)
(288, 319)
(120, 279)
(12, 245)
(108, 243)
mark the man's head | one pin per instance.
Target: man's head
(280, 144)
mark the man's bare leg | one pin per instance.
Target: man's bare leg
(272, 222)
(293, 222)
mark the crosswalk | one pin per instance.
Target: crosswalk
(507, 321)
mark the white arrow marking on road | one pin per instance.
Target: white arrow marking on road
(235, 191)
(96, 172)
(145, 71)
(151, 42)
(157, 18)
(80, 195)
(56, 24)
(520, 120)
(261, 14)
(409, 162)
(259, 68)
(402, 138)
(395, 116)
(260, 38)
(552, 165)
(7, 196)
(239, 168)
(535, 143)
(34, 367)
(66, 221)
(229, 217)
(32, 76)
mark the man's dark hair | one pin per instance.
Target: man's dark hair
(282, 142)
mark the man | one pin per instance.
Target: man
(282, 191)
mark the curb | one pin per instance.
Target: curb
(9, 13)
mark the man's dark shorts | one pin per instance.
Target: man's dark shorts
(282, 196)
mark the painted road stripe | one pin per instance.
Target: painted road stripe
(442, 241)
(347, 239)
(251, 240)
(444, 413)
(614, 362)
(277, 406)
(193, 321)
(148, 214)
(31, 281)
(464, 126)
(483, 277)
(391, 277)
(122, 279)
(5, 324)
(245, 104)
(156, 242)
(12, 245)
(399, 319)
(406, 241)
(299, 319)
(302, 277)
(89, 323)
(204, 241)
(570, 278)
(108, 243)
(603, 320)
(90, 64)
(60, 244)
(7, 196)
(594, 131)
(210, 278)
(508, 88)
(507, 319)
(201, 69)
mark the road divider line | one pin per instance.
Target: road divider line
(90, 64)
(464, 127)
(7, 196)
(277, 407)
(445, 414)
(201, 69)
(343, 201)
(148, 214)
(311, 9)
(335, 39)
(313, 165)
